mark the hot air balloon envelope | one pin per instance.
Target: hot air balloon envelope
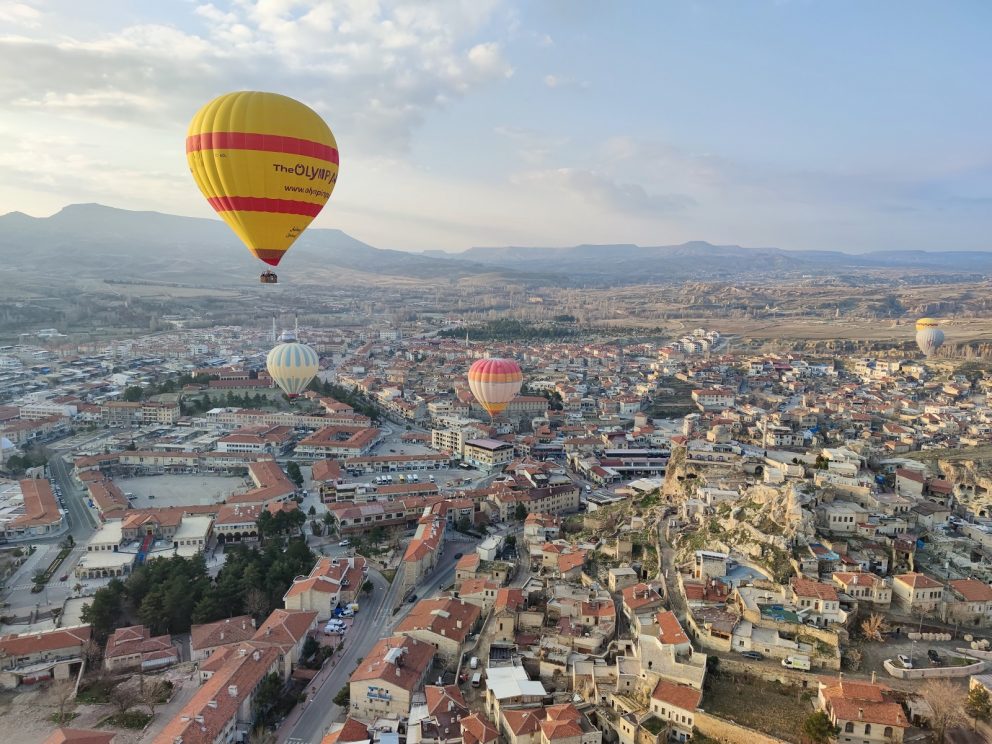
(494, 383)
(928, 336)
(266, 163)
(292, 365)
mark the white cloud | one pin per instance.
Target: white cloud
(20, 14)
(551, 81)
(599, 189)
(374, 69)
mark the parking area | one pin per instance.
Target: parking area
(178, 490)
(873, 654)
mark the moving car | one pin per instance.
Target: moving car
(753, 655)
(344, 543)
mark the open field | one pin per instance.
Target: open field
(179, 490)
(769, 707)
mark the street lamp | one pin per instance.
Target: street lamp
(912, 651)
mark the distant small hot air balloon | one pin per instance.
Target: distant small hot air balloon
(494, 383)
(267, 164)
(292, 365)
(928, 336)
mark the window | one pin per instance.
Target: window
(887, 732)
(867, 729)
(849, 727)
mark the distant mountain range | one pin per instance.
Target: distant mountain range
(626, 263)
(95, 241)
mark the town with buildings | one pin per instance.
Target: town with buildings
(653, 542)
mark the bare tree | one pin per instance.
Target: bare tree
(125, 697)
(65, 697)
(153, 692)
(873, 627)
(946, 700)
(92, 655)
(256, 603)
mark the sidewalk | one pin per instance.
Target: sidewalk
(289, 723)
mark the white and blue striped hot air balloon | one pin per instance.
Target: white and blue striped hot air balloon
(292, 365)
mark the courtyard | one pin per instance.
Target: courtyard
(178, 490)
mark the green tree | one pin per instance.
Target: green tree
(133, 394)
(464, 524)
(268, 694)
(105, 610)
(979, 704)
(520, 512)
(343, 698)
(294, 473)
(818, 729)
(310, 647)
(368, 586)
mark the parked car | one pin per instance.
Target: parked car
(753, 655)
(905, 661)
(413, 598)
(934, 657)
(458, 555)
(344, 543)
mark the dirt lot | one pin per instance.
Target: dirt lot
(179, 490)
(766, 706)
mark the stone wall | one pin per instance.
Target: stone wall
(729, 732)
(934, 672)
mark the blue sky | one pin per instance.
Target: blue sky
(795, 123)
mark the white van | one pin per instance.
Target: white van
(796, 662)
(477, 679)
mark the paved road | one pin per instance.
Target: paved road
(82, 525)
(375, 620)
(367, 629)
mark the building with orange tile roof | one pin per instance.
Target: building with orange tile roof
(330, 583)
(222, 709)
(477, 729)
(865, 587)
(286, 630)
(351, 731)
(63, 735)
(676, 704)
(425, 546)
(389, 674)
(968, 601)
(207, 638)
(862, 711)
(134, 647)
(32, 657)
(670, 632)
(444, 622)
(338, 441)
(40, 514)
(916, 592)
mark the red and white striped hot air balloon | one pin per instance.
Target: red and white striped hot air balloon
(494, 383)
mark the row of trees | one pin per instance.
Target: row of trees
(508, 329)
(170, 594)
(346, 396)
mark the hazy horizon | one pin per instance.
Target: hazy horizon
(798, 125)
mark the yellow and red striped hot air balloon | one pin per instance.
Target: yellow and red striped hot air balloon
(267, 164)
(494, 383)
